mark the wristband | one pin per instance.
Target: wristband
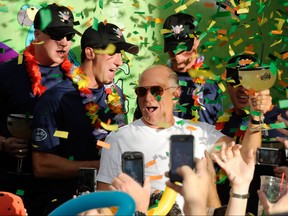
(138, 213)
(254, 121)
(239, 196)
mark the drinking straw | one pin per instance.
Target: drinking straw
(282, 180)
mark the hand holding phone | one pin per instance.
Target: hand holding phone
(181, 153)
(86, 180)
(133, 165)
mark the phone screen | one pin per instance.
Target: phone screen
(181, 153)
(86, 180)
(267, 156)
(133, 165)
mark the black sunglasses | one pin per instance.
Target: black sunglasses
(58, 38)
(154, 90)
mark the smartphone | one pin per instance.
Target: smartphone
(181, 153)
(86, 180)
(133, 165)
(220, 211)
(270, 156)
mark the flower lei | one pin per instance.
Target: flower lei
(113, 102)
(34, 73)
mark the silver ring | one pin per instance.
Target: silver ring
(20, 150)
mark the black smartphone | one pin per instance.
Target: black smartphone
(133, 165)
(221, 211)
(181, 153)
(270, 156)
(86, 180)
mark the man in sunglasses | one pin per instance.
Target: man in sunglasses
(157, 93)
(82, 110)
(181, 43)
(239, 118)
(23, 80)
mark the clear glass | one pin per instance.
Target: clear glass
(274, 188)
(259, 79)
(20, 126)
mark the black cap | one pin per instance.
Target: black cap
(181, 26)
(236, 62)
(106, 33)
(55, 20)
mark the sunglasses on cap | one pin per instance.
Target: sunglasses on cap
(69, 36)
(141, 91)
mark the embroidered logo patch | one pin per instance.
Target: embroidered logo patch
(39, 134)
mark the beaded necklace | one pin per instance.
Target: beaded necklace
(113, 101)
(34, 73)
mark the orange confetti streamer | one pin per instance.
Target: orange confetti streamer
(209, 5)
(276, 32)
(157, 177)
(191, 128)
(285, 55)
(150, 163)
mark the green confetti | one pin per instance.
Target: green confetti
(20, 192)
(278, 125)
(182, 83)
(101, 4)
(283, 104)
(2, 50)
(169, 4)
(95, 24)
(46, 18)
(3, 9)
(243, 127)
(139, 12)
(71, 158)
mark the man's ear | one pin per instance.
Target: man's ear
(89, 53)
(176, 94)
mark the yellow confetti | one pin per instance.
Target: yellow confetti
(165, 31)
(103, 144)
(182, 7)
(110, 49)
(231, 52)
(211, 24)
(243, 11)
(280, 23)
(222, 87)
(276, 42)
(61, 134)
(236, 43)
(201, 73)
(113, 127)
(191, 2)
(20, 59)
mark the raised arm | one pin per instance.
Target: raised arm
(260, 102)
(240, 174)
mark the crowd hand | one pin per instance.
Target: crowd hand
(282, 130)
(261, 101)
(141, 195)
(197, 182)
(279, 207)
(278, 170)
(238, 171)
(16, 147)
(213, 198)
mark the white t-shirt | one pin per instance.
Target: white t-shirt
(154, 144)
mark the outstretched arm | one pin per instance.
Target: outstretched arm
(240, 174)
